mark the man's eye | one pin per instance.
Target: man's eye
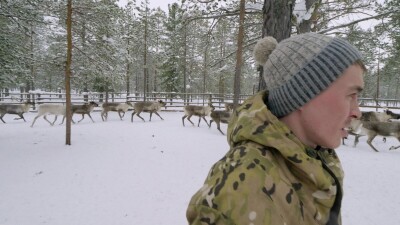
(354, 96)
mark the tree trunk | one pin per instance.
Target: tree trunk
(239, 56)
(145, 72)
(85, 75)
(68, 74)
(396, 95)
(377, 84)
(305, 25)
(221, 84)
(205, 70)
(277, 23)
(184, 64)
(128, 69)
(31, 85)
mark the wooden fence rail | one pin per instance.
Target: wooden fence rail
(175, 101)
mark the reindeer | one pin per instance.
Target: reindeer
(50, 109)
(200, 111)
(374, 128)
(114, 107)
(86, 108)
(384, 116)
(150, 107)
(229, 106)
(18, 109)
(219, 116)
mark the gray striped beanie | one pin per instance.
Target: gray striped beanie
(299, 68)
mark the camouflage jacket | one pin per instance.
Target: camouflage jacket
(268, 177)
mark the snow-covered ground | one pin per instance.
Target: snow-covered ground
(118, 172)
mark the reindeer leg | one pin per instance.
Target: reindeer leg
(1, 117)
(158, 115)
(151, 113)
(183, 120)
(72, 120)
(356, 140)
(34, 120)
(22, 116)
(210, 123)
(188, 118)
(55, 118)
(119, 113)
(206, 121)
(62, 120)
(51, 123)
(198, 125)
(138, 114)
(393, 147)
(369, 141)
(90, 117)
(370, 144)
(83, 116)
(219, 128)
(133, 113)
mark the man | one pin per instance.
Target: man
(281, 168)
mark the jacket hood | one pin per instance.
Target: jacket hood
(253, 121)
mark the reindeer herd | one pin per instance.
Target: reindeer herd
(371, 124)
(44, 110)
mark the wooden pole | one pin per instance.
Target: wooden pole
(68, 74)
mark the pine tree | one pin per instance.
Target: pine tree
(170, 73)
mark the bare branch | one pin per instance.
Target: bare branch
(248, 45)
(221, 16)
(357, 21)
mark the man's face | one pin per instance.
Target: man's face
(324, 118)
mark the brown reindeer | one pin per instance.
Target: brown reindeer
(120, 107)
(219, 116)
(17, 109)
(150, 107)
(196, 110)
(229, 106)
(374, 128)
(384, 116)
(86, 108)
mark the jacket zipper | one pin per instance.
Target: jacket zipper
(335, 210)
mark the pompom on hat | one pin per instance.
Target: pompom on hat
(299, 68)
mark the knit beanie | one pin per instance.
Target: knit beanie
(299, 68)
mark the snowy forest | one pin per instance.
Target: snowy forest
(191, 48)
